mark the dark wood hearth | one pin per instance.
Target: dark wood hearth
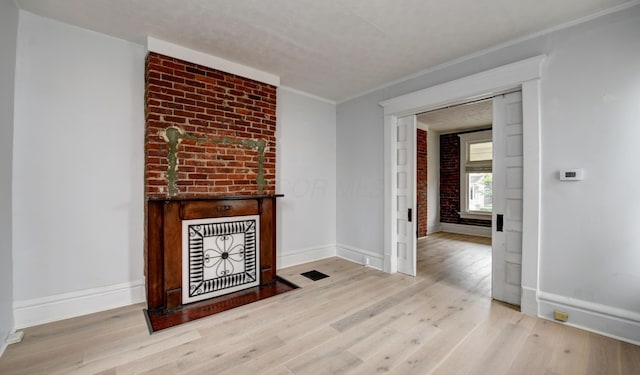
(159, 319)
(167, 304)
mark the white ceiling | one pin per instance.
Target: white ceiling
(457, 118)
(332, 49)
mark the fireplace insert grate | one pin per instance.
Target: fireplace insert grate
(314, 275)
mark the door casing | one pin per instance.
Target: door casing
(406, 210)
(524, 75)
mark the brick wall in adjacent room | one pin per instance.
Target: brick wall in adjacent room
(450, 183)
(220, 117)
(422, 181)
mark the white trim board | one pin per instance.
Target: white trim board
(360, 256)
(475, 86)
(3, 343)
(304, 93)
(435, 228)
(307, 255)
(471, 230)
(346, 252)
(524, 75)
(601, 319)
(214, 62)
(37, 311)
(497, 47)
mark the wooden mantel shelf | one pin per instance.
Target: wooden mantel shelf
(163, 255)
(213, 198)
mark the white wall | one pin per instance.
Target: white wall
(78, 202)
(433, 181)
(8, 39)
(306, 175)
(591, 120)
(433, 178)
(590, 253)
(78, 171)
(360, 178)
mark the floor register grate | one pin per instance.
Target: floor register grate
(314, 275)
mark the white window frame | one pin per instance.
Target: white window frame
(467, 139)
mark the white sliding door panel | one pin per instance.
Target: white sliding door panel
(507, 203)
(406, 194)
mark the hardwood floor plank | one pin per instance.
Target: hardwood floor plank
(383, 353)
(332, 362)
(114, 357)
(570, 351)
(629, 358)
(503, 350)
(280, 370)
(432, 352)
(357, 321)
(55, 343)
(472, 352)
(289, 351)
(202, 363)
(603, 356)
(312, 361)
(378, 308)
(537, 350)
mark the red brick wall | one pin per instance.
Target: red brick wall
(212, 110)
(450, 183)
(422, 182)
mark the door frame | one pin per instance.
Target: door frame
(524, 75)
(409, 267)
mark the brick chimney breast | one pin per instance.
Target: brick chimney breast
(208, 133)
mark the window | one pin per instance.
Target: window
(476, 177)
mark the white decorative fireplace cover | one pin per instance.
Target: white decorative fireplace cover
(219, 256)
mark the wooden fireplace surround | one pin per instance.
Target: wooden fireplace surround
(163, 259)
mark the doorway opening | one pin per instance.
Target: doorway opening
(524, 75)
(454, 195)
(459, 168)
(481, 171)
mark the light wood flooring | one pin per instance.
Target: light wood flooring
(357, 321)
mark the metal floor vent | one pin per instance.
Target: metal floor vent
(314, 275)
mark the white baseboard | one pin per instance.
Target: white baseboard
(305, 256)
(359, 256)
(529, 302)
(601, 319)
(471, 230)
(434, 229)
(37, 311)
(3, 344)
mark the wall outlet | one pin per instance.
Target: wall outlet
(560, 316)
